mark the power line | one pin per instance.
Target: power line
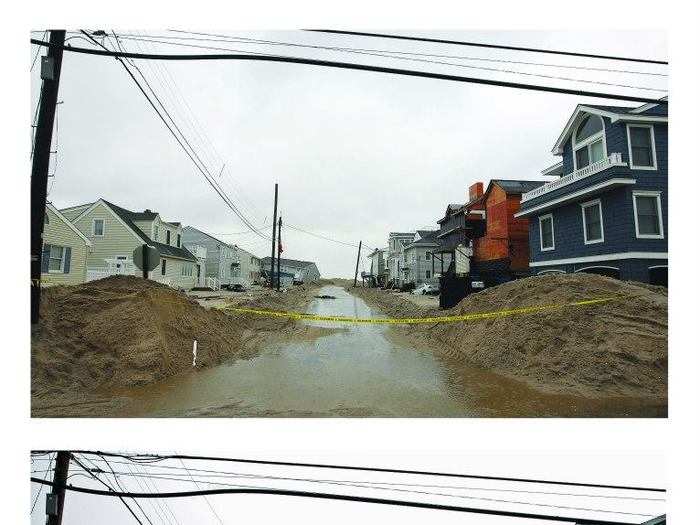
(361, 67)
(216, 515)
(237, 39)
(156, 458)
(207, 176)
(338, 497)
(41, 487)
(490, 46)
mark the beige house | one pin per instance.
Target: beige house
(116, 232)
(65, 250)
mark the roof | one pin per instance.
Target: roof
(515, 187)
(451, 210)
(401, 234)
(294, 263)
(208, 235)
(128, 217)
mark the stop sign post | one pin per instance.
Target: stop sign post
(147, 258)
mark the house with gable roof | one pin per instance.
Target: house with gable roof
(116, 232)
(606, 211)
(64, 251)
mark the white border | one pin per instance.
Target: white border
(606, 257)
(659, 210)
(542, 218)
(654, 166)
(594, 202)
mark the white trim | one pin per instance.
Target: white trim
(648, 105)
(659, 210)
(597, 266)
(606, 257)
(653, 167)
(575, 195)
(92, 230)
(658, 266)
(63, 258)
(554, 169)
(626, 117)
(543, 218)
(118, 219)
(584, 205)
(68, 223)
(587, 142)
(545, 272)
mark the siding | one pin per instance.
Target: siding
(173, 274)
(72, 213)
(58, 233)
(220, 256)
(117, 239)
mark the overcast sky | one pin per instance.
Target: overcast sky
(604, 468)
(356, 154)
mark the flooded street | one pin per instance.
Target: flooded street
(357, 370)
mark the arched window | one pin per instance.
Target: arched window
(588, 141)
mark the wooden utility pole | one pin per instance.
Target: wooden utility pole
(50, 74)
(57, 497)
(279, 252)
(274, 231)
(357, 264)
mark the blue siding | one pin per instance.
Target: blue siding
(617, 206)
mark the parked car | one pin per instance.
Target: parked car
(427, 289)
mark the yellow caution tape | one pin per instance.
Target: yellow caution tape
(413, 320)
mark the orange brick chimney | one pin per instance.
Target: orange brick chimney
(476, 190)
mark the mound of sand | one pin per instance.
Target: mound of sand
(124, 331)
(617, 348)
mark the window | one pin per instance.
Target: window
(56, 259)
(642, 150)
(98, 227)
(648, 221)
(589, 142)
(427, 256)
(167, 237)
(592, 221)
(427, 274)
(546, 232)
(178, 240)
(155, 232)
(162, 267)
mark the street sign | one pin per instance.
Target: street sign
(152, 257)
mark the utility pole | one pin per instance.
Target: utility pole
(279, 252)
(357, 264)
(274, 231)
(57, 497)
(50, 74)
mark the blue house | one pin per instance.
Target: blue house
(607, 210)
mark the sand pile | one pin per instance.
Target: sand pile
(124, 331)
(619, 348)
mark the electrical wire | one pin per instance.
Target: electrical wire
(216, 515)
(338, 497)
(38, 50)
(359, 67)
(490, 46)
(41, 487)
(423, 60)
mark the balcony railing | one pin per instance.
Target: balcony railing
(615, 159)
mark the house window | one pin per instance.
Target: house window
(589, 142)
(178, 240)
(642, 150)
(546, 232)
(155, 232)
(648, 221)
(56, 259)
(427, 256)
(98, 227)
(427, 274)
(162, 267)
(592, 221)
(167, 237)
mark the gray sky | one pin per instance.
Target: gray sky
(620, 468)
(356, 154)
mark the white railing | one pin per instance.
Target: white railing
(213, 283)
(114, 267)
(615, 159)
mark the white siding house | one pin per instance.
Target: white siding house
(64, 252)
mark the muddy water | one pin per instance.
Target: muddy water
(358, 370)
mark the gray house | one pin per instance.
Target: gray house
(222, 262)
(303, 271)
(417, 264)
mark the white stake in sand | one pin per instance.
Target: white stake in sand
(194, 353)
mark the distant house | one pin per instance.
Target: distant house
(64, 252)
(502, 252)
(302, 271)
(116, 232)
(378, 269)
(222, 263)
(394, 257)
(607, 210)
(249, 265)
(418, 263)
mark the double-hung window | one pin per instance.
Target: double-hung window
(546, 232)
(589, 142)
(56, 259)
(648, 219)
(592, 222)
(98, 227)
(642, 150)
